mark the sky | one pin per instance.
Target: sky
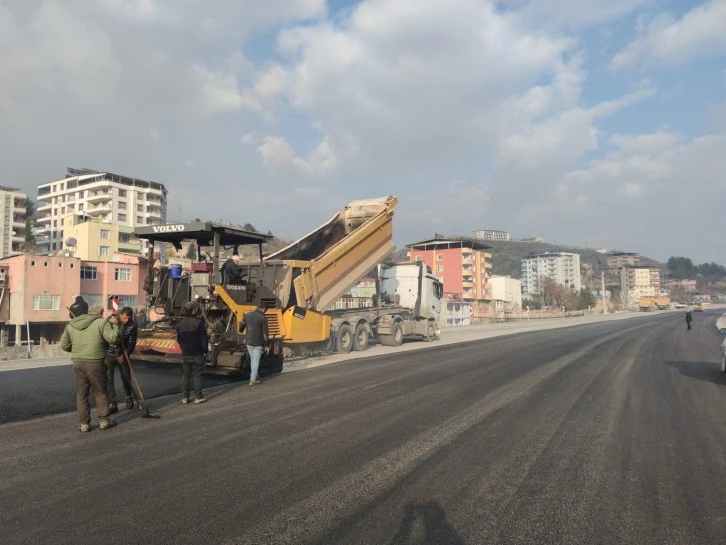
(588, 123)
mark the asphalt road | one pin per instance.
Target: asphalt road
(609, 433)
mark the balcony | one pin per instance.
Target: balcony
(99, 196)
(44, 208)
(101, 209)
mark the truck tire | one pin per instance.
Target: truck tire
(360, 339)
(723, 363)
(430, 332)
(344, 339)
(396, 336)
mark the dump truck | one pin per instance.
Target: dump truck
(296, 286)
(662, 303)
(646, 304)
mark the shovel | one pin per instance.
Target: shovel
(140, 396)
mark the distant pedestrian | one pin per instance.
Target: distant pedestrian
(128, 332)
(254, 324)
(78, 308)
(689, 319)
(191, 333)
(86, 337)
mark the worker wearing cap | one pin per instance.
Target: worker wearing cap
(230, 271)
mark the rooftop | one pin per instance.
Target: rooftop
(440, 243)
(89, 176)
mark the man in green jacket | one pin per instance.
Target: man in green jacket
(86, 337)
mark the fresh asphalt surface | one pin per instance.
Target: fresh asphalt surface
(608, 433)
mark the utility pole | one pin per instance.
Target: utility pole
(604, 298)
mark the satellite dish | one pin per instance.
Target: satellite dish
(71, 242)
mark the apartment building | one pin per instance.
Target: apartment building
(562, 267)
(463, 266)
(491, 234)
(91, 238)
(639, 281)
(105, 196)
(12, 220)
(617, 260)
(38, 289)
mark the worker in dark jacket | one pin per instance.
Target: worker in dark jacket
(689, 319)
(254, 324)
(230, 271)
(191, 333)
(115, 358)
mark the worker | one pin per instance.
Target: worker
(254, 324)
(191, 333)
(689, 319)
(115, 358)
(230, 272)
(78, 308)
(85, 337)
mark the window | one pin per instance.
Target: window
(418, 258)
(139, 207)
(89, 273)
(80, 207)
(122, 205)
(104, 250)
(439, 257)
(105, 234)
(439, 268)
(121, 192)
(124, 238)
(123, 275)
(128, 301)
(122, 217)
(46, 302)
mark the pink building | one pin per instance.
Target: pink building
(40, 288)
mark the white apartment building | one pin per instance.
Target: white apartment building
(105, 196)
(637, 282)
(12, 221)
(491, 234)
(562, 267)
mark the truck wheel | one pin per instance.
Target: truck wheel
(723, 363)
(395, 338)
(360, 339)
(344, 340)
(430, 332)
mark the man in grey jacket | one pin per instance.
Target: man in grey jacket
(254, 325)
(86, 338)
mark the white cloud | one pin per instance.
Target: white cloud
(665, 40)
(276, 151)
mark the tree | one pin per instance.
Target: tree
(535, 303)
(192, 251)
(586, 299)
(30, 222)
(680, 267)
(249, 227)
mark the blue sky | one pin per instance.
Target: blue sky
(580, 121)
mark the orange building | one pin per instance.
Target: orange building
(462, 265)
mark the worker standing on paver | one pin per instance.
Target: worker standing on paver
(254, 324)
(86, 338)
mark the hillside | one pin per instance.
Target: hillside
(507, 256)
